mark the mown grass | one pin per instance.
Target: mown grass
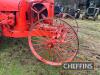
(17, 59)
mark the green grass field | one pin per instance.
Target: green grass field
(17, 59)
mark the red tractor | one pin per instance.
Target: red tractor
(51, 40)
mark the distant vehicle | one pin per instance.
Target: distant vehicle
(73, 12)
(57, 10)
(92, 11)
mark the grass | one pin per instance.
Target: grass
(17, 59)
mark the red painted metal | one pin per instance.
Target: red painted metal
(21, 10)
(9, 5)
(7, 18)
(22, 18)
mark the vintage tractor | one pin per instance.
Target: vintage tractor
(53, 41)
(92, 11)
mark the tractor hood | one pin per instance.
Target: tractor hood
(9, 5)
(13, 5)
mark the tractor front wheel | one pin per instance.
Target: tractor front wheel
(59, 46)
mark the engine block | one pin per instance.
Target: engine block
(7, 18)
(16, 17)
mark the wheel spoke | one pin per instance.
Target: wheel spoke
(59, 54)
(34, 10)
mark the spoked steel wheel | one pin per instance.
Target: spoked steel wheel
(56, 44)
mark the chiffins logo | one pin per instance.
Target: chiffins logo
(79, 66)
